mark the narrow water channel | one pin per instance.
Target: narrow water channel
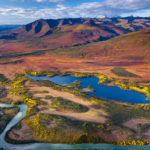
(42, 146)
(110, 93)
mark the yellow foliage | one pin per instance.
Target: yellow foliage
(19, 89)
(34, 73)
(132, 86)
(38, 130)
(104, 79)
(121, 84)
(141, 89)
(100, 126)
(84, 27)
(131, 142)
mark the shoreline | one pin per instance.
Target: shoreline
(100, 101)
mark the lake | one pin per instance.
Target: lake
(101, 91)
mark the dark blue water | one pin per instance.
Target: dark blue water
(101, 91)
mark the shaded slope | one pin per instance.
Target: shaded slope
(51, 34)
(132, 46)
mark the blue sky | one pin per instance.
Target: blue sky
(25, 11)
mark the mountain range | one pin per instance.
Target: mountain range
(94, 42)
(7, 27)
(52, 34)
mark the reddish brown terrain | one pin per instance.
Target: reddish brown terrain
(51, 34)
(80, 45)
(93, 45)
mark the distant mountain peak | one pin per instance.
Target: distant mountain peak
(74, 31)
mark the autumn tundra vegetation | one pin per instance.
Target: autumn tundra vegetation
(108, 49)
(47, 118)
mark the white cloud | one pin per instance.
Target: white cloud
(128, 4)
(93, 9)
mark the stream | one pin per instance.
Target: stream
(42, 146)
(138, 98)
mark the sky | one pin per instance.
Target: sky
(26, 11)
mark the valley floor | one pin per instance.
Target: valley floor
(61, 63)
(66, 114)
(56, 115)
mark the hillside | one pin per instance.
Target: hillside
(68, 49)
(51, 34)
(132, 46)
(7, 28)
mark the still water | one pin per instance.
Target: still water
(101, 91)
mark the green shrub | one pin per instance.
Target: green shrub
(123, 72)
(60, 103)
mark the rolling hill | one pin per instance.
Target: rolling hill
(131, 46)
(51, 34)
(84, 44)
(7, 28)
